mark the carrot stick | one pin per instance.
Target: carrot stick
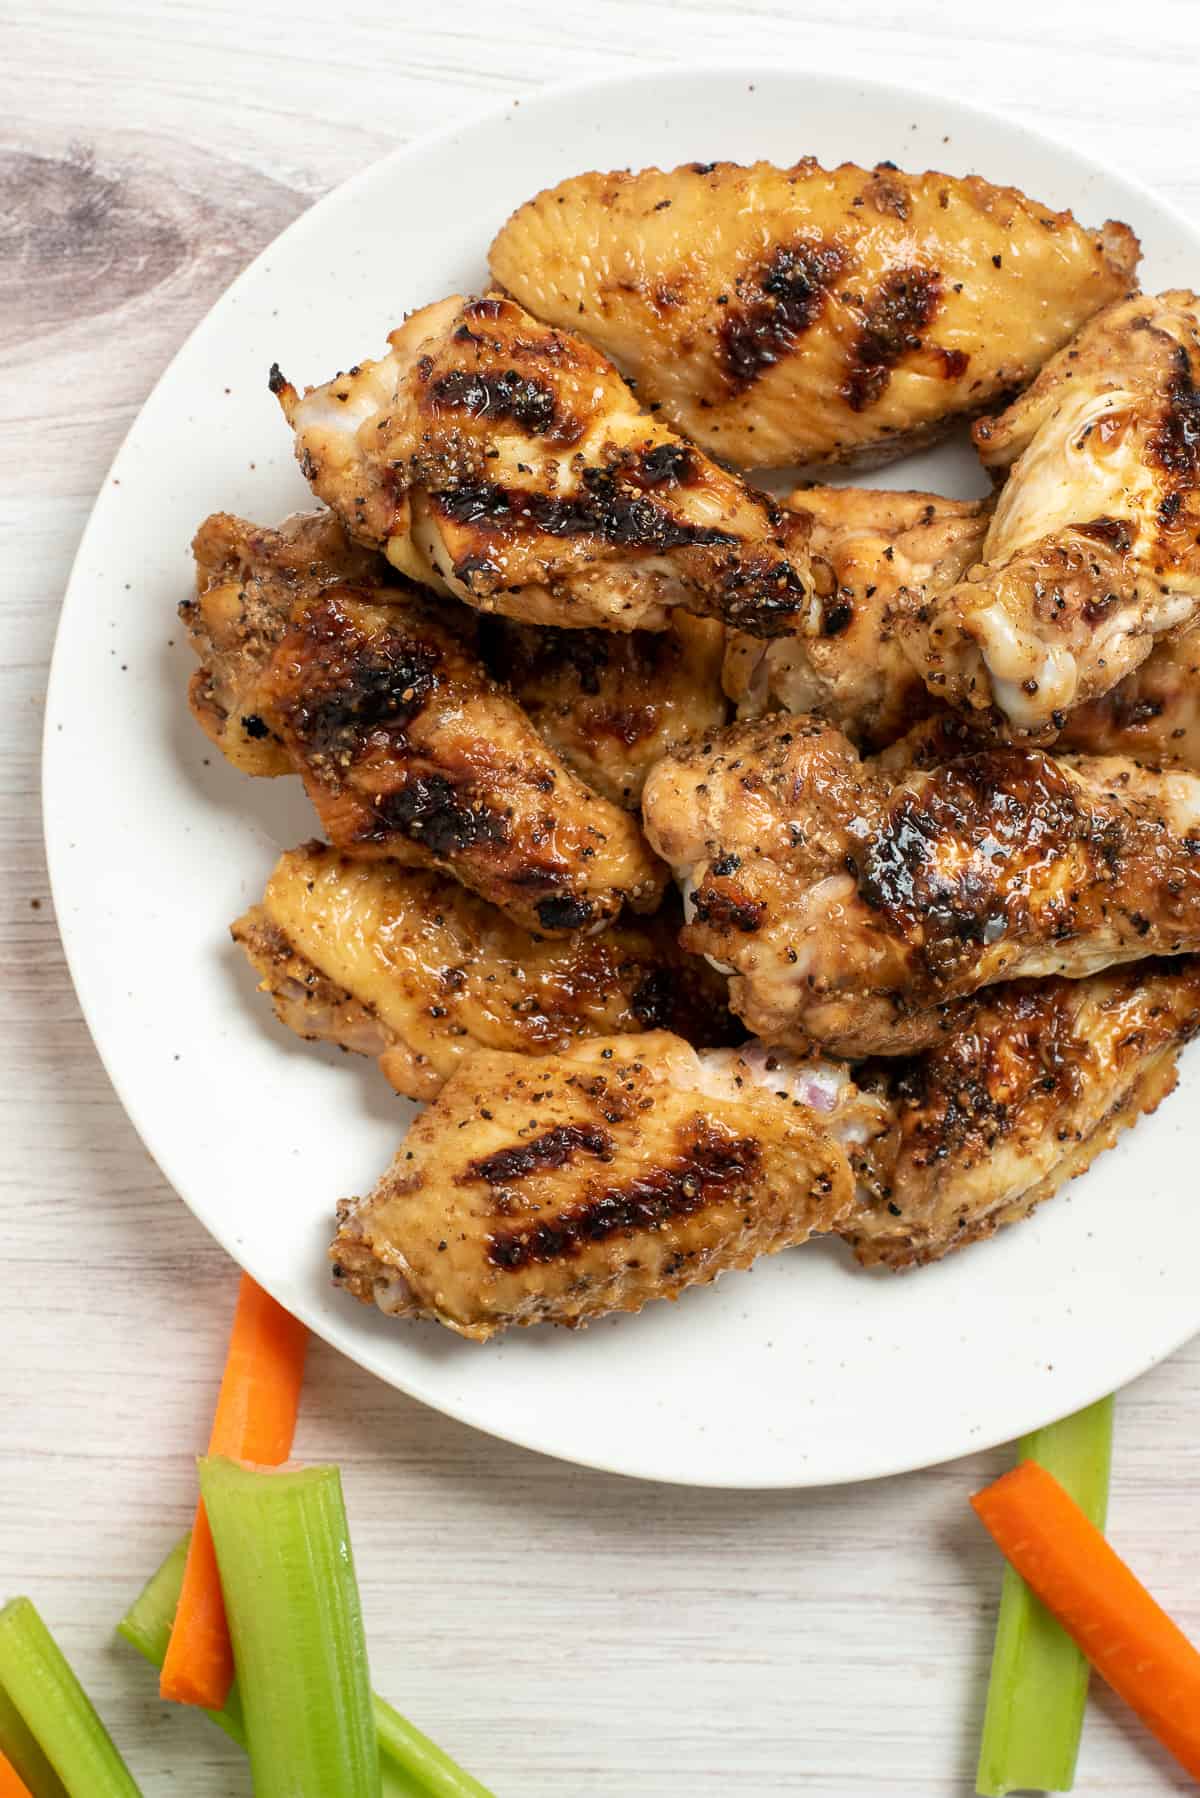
(255, 1421)
(1129, 1639)
(10, 1785)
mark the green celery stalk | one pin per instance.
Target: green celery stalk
(412, 1765)
(147, 1623)
(287, 1574)
(1037, 1693)
(431, 1773)
(56, 1709)
(19, 1747)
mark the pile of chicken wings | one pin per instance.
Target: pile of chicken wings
(722, 870)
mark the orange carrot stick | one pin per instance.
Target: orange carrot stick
(11, 1786)
(1129, 1639)
(255, 1421)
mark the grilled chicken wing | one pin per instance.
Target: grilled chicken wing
(871, 550)
(1022, 1095)
(406, 965)
(805, 314)
(853, 907)
(249, 577)
(408, 750)
(508, 463)
(559, 1189)
(1153, 716)
(613, 703)
(1092, 552)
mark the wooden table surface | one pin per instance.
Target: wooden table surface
(561, 1631)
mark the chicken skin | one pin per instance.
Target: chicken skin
(610, 703)
(563, 1188)
(1093, 551)
(508, 463)
(406, 965)
(249, 577)
(871, 551)
(807, 315)
(408, 750)
(1018, 1098)
(856, 907)
(1153, 716)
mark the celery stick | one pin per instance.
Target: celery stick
(146, 1626)
(287, 1573)
(56, 1709)
(432, 1772)
(19, 1747)
(412, 1765)
(1038, 1688)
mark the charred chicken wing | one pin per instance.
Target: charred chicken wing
(1022, 1095)
(408, 750)
(844, 660)
(562, 1188)
(854, 906)
(247, 579)
(404, 964)
(1093, 551)
(806, 315)
(613, 703)
(508, 463)
(1153, 716)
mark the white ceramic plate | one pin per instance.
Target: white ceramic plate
(804, 1371)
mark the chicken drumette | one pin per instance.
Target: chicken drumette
(508, 463)
(798, 315)
(409, 750)
(405, 964)
(1092, 552)
(559, 1189)
(855, 905)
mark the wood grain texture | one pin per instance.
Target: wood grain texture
(563, 1632)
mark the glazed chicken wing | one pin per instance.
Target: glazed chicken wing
(562, 1188)
(1093, 551)
(613, 703)
(508, 463)
(408, 750)
(844, 661)
(1019, 1097)
(404, 964)
(853, 905)
(809, 315)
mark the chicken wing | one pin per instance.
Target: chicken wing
(509, 464)
(811, 315)
(1021, 1096)
(249, 577)
(845, 661)
(854, 907)
(1153, 715)
(613, 703)
(560, 1189)
(408, 750)
(1093, 551)
(406, 965)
